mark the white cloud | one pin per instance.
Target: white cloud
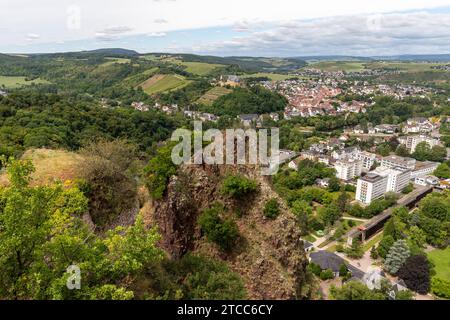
(32, 36)
(51, 19)
(112, 33)
(350, 35)
(156, 34)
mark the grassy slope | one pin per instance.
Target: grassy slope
(333, 66)
(441, 260)
(200, 68)
(271, 76)
(50, 165)
(115, 60)
(212, 95)
(164, 83)
(12, 82)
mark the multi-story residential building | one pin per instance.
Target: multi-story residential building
(411, 142)
(418, 125)
(423, 169)
(393, 162)
(349, 152)
(371, 187)
(398, 179)
(348, 169)
(376, 183)
(367, 159)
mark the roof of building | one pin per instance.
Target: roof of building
(307, 244)
(372, 177)
(327, 260)
(248, 117)
(398, 159)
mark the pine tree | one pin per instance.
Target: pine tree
(397, 256)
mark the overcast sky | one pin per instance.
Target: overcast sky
(228, 27)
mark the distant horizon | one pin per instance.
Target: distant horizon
(235, 28)
(312, 56)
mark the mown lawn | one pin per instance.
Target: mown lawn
(373, 241)
(441, 260)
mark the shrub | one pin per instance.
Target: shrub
(272, 209)
(356, 250)
(222, 232)
(326, 274)
(440, 287)
(159, 170)
(343, 270)
(416, 274)
(238, 187)
(385, 245)
(408, 189)
(314, 268)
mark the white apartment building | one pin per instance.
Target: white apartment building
(411, 142)
(424, 168)
(426, 181)
(371, 187)
(393, 162)
(398, 179)
(376, 183)
(367, 159)
(348, 169)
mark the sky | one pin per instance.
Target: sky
(282, 28)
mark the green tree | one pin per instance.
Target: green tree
(159, 170)
(330, 214)
(402, 151)
(383, 150)
(343, 201)
(385, 245)
(43, 233)
(397, 256)
(373, 253)
(438, 154)
(334, 184)
(238, 187)
(422, 152)
(272, 209)
(443, 171)
(354, 290)
(223, 232)
(416, 274)
(356, 250)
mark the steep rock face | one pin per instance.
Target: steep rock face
(269, 255)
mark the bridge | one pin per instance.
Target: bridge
(366, 231)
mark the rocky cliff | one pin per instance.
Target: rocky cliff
(269, 256)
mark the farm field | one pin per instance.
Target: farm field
(200, 68)
(441, 260)
(402, 66)
(164, 82)
(271, 76)
(12, 82)
(335, 66)
(212, 95)
(115, 60)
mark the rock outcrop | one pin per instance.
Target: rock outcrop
(269, 256)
